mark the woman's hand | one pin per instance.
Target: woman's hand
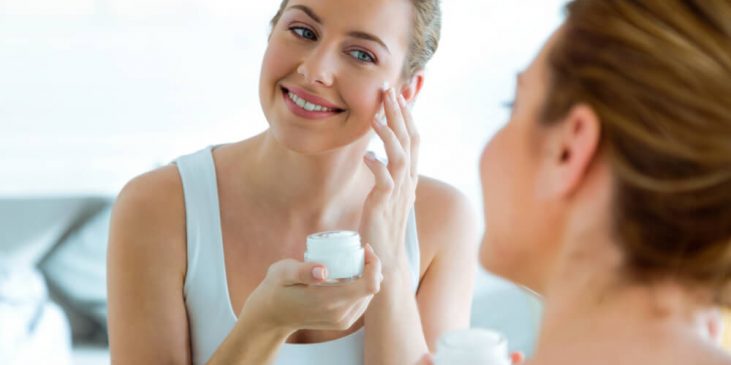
(288, 298)
(387, 208)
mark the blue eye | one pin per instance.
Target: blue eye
(362, 56)
(303, 32)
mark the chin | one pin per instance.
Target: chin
(312, 142)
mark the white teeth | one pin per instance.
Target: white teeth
(306, 105)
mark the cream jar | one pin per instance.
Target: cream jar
(472, 346)
(340, 251)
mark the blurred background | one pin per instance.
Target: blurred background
(94, 92)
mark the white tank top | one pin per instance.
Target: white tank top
(210, 315)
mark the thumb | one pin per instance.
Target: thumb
(292, 272)
(373, 272)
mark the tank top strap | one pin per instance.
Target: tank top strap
(202, 218)
(412, 250)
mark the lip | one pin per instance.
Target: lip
(295, 109)
(311, 98)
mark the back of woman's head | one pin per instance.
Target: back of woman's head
(658, 75)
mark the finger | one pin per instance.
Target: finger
(395, 152)
(373, 271)
(395, 118)
(414, 137)
(383, 181)
(292, 272)
(517, 358)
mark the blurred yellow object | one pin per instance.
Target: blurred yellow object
(726, 334)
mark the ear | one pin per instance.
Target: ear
(575, 145)
(410, 90)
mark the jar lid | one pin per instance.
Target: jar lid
(333, 241)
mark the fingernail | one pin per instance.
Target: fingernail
(371, 156)
(392, 93)
(319, 273)
(379, 122)
(384, 87)
(381, 115)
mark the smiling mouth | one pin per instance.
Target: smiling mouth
(307, 105)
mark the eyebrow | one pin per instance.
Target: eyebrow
(369, 37)
(353, 34)
(307, 11)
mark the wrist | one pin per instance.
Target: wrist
(256, 321)
(393, 263)
(268, 331)
(396, 276)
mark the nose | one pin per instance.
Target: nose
(318, 67)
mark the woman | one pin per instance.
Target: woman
(205, 255)
(616, 163)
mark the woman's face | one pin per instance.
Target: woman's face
(325, 65)
(522, 222)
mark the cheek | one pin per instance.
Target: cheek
(277, 62)
(495, 175)
(506, 181)
(362, 96)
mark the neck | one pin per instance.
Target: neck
(595, 314)
(318, 187)
(591, 308)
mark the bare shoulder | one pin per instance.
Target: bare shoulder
(431, 192)
(151, 205)
(440, 206)
(161, 185)
(444, 216)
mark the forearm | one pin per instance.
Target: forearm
(393, 330)
(250, 343)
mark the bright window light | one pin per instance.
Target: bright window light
(48, 7)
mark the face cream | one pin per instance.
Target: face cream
(340, 251)
(471, 347)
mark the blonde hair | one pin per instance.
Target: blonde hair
(658, 75)
(427, 25)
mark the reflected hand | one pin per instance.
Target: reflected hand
(387, 208)
(289, 299)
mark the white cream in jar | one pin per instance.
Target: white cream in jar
(472, 346)
(340, 251)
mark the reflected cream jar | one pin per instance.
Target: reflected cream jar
(340, 251)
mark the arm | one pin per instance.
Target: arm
(448, 236)
(395, 331)
(397, 324)
(146, 268)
